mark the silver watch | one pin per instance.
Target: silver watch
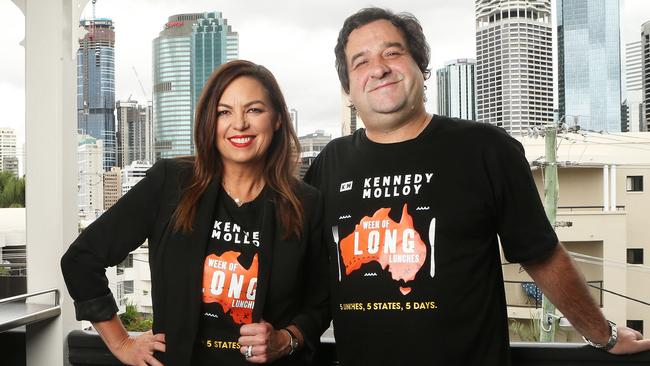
(610, 343)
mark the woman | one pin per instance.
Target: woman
(238, 270)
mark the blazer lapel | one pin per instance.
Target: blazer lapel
(267, 238)
(198, 241)
(184, 292)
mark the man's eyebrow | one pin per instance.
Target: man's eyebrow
(356, 56)
(384, 45)
(394, 44)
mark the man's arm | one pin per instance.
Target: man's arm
(562, 282)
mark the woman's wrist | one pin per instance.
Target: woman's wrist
(295, 339)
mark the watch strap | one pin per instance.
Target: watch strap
(613, 338)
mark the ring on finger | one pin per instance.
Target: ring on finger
(249, 352)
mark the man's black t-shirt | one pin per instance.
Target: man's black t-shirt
(412, 230)
(230, 272)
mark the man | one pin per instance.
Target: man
(413, 207)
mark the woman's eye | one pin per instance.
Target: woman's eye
(255, 110)
(222, 113)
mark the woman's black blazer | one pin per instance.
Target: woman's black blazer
(292, 281)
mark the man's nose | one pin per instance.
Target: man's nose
(378, 68)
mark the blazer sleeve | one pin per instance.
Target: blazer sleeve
(315, 315)
(106, 242)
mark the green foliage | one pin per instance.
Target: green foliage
(134, 321)
(12, 190)
(4, 271)
(527, 330)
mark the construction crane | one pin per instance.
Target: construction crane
(144, 93)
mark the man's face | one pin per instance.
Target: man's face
(385, 81)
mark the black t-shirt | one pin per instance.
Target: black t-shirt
(412, 233)
(230, 274)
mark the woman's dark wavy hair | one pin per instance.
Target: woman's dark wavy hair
(410, 27)
(281, 156)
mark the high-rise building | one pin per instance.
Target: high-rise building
(96, 86)
(135, 126)
(350, 120)
(213, 43)
(293, 114)
(310, 146)
(514, 63)
(456, 85)
(133, 173)
(112, 187)
(589, 67)
(633, 87)
(645, 47)
(187, 50)
(90, 167)
(8, 159)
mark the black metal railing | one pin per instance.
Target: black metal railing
(86, 348)
(525, 294)
(588, 208)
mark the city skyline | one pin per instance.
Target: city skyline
(303, 62)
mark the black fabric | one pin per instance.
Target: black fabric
(292, 281)
(412, 229)
(229, 281)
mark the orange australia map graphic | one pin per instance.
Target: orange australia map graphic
(228, 283)
(396, 246)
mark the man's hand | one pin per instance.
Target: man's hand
(267, 344)
(629, 341)
(139, 350)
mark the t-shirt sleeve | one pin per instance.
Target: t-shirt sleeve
(522, 225)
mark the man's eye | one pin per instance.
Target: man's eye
(360, 63)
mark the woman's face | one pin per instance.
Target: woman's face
(246, 122)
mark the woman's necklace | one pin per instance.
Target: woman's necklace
(239, 202)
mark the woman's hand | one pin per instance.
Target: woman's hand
(266, 344)
(136, 351)
(139, 350)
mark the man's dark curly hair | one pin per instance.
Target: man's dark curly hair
(416, 43)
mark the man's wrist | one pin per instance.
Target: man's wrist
(610, 343)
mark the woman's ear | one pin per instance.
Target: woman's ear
(278, 123)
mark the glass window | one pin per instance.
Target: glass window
(634, 183)
(635, 256)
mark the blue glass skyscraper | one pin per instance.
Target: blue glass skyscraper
(96, 86)
(185, 53)
(590, 63)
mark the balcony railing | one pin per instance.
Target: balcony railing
(525, 294)
(15, 312)
(587, 208)
(86, 348)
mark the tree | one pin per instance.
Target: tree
(12, 190)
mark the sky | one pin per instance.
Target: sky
(295, 41)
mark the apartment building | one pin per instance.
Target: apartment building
(602, 220)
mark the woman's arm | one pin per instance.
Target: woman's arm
(130, 350)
